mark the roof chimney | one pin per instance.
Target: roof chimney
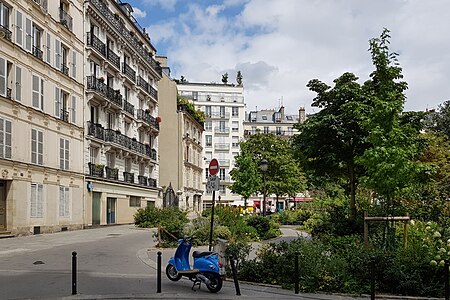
(301, 115)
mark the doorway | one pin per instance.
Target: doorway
(2, 205)
(96, 208)
(110, 210)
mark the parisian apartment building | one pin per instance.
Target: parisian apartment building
(121, 121)
(275, 121)
(223, 105)
(41, 116)
(180, 144)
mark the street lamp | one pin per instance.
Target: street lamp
(263, 166)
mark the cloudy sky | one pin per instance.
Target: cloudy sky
(279, 45)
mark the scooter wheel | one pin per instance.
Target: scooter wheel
(172, 273)
(216, 281)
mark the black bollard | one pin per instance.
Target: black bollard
(372, 278)
(296, 273)
(74, 273)
(236, 282)
(158, 275)
(446, 278)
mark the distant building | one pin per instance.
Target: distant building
(273, 121)
(224, 107)
(180, 147)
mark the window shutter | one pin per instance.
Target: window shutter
(35, 88)
(74, 64)
(7, 136)
(33, 202)
(61, 154)
(74, 109)
(40, 204)
(19, 30)
(33, 146)
(66, 155)
(28, 34)
(2, 138)
(2, 77)
(40, 148)
(57, 54)
(57, 102)
(49, 47)
(61, 201)
(18, 83)
(42, 94)
(66, 202)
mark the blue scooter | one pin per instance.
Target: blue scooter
(207, 268)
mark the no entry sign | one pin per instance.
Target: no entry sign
(213, 167)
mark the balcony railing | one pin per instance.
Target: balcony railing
(224, 162)
(94, 42)
(65, 69)
(113, 58)
(222, 130)
(147, 118)
(64, 115)
(152, 182)
(147, 87)
(65, 19)
(129, 72)
(222, 146)
(95, 170)
(143, 180)
(125, 33)
(128, 177)
(108, 92)
(37, 52)
(128, 107)
(112, 173)
(96, 130)
(5, 32)
(218, 115)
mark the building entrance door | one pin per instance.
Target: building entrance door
(2, 205)
(111, 210)
(96, 208)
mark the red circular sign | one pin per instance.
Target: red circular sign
(213, 167)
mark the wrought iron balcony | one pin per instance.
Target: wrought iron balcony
(96, 130)
(222, 130)
(37, 52)
(65, 19)
(112, 173)
(125, 33)
(128, 107)
(113, 58)
(128, 177)
(147, 118)
(94, 42)
(64, 115)
(152, 182)
(222, 146)
(109, 93)
(65, 69)
(5, 33)
(147, 87)
(143, 180)
(129, 72)
(95, 169)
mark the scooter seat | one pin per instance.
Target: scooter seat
(197, 254)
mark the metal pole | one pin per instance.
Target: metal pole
(74, 273)
(158, 275)
(212, 221)
(264, 195)
(296, 273)
(372, 278)
(236, 282)
(446, 278)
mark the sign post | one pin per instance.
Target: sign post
(212, 185)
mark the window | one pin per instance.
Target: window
(222, 111)
(142, 169)
(93, 154)
(111, 120)
(63, 154)
(208, 111)
(234, 126)
(235, 111)
(37, 146)
(61, 104)
(36, 39)
(18, 83)
(135, 201)
(4, 16)
(36, 202)
(253, 129)
(208, 126)
(38, 92)
(126, 93)
(278, 130)
(222, 174)
(110, 159)
(195, 96)
(266, 129)
(264, 117)
(208, 139)
(235, 142)
(207, 173)
(128, 165)
(64, 202)
(95, 69)
(222, 189)
(5, 138)
(94, 114)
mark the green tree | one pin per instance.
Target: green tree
(246, 176)
(225, 78)
(331, 140)
(441, 119)
(239, 78)
(283, 175)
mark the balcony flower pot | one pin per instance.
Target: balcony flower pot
(101, 79)
(158, 119)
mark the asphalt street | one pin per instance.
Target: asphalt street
(114, 262)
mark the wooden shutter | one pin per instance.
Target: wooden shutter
(40, 201)
(35, 91)
(57, 102)
(19, 30)
(33, 200)
(28, 34)
(74, 64)
(40, 147)
(2, 77)
(7, 133)
(18, 83)
(49, 49)
(57, 54)
(74, 109)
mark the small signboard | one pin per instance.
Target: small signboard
(213, 184)
(213, 167)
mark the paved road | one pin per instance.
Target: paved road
(113, 263)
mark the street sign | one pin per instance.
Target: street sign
(213, 184)
(213, 167)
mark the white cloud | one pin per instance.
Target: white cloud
(279, 48)
(137, 13)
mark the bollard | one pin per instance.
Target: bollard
(236, 282)
(372, 278)
(446, 278)
(158, 275)
(74, 273)
(296, 273)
